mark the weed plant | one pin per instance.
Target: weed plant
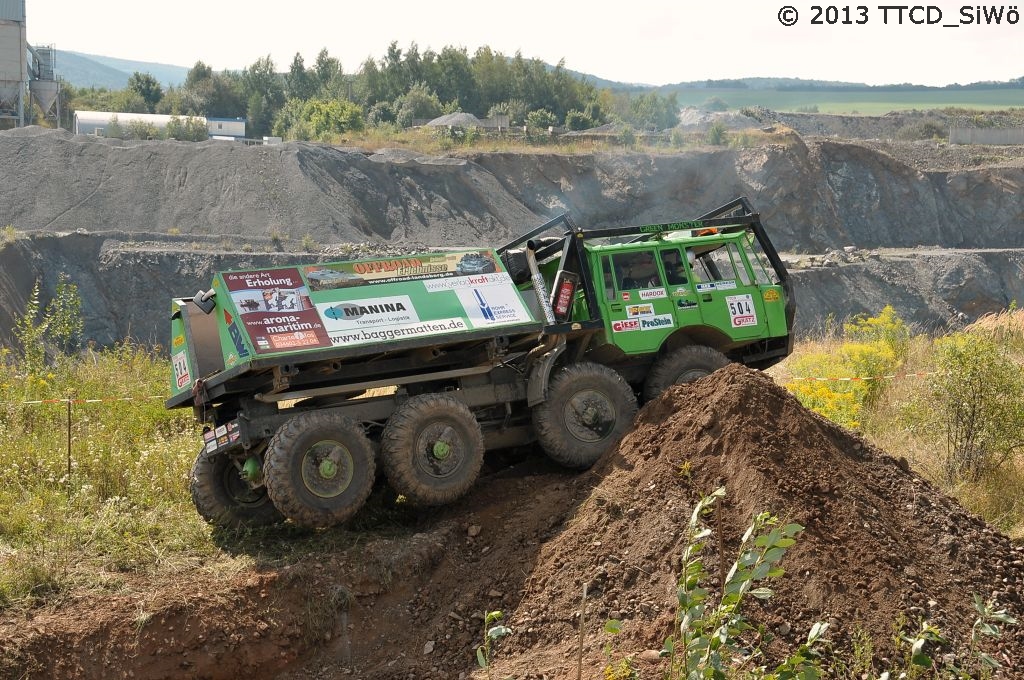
(951, 405)
(118, 502)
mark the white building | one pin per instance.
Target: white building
(96, 123)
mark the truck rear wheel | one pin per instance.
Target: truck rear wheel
(682, 365)
(319, 469)
(226, 500)
(432, 449)
(588, 409)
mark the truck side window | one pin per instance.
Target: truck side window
(739, 265)
(636, 270)
(675, 270)
(726, 263)
(609, 284)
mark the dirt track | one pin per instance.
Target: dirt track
(403, 603)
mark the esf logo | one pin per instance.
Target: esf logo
(236, 335)
(628, 325)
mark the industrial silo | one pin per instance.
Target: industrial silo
(13, 60)
(43, 85)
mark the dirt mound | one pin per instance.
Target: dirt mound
(879, 540)
(405, 599)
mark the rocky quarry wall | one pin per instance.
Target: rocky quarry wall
(133, 223)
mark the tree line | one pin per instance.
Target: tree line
(319, 101)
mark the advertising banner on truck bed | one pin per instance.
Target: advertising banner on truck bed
(370, 301)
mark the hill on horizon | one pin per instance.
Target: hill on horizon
(93, 70)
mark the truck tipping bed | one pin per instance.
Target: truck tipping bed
(327, 327)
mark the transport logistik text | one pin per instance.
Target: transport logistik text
(898, 15)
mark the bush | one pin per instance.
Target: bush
(887, 328)
(577, 120)
(716, 134)
(923, 130)
(541, 119)
(978, 396)
(714, 104)
(627, 136)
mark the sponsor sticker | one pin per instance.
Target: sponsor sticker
(178, 341)
(716, 285)
(492, 305)
(182, 377)
(296, 339)
(392, 310)
(363, 336)
(771, 295)
(652, 293)
(640, 310)
(654, 323)
(236, 335)
(627, 325)
(741, 310)
(496, 278)
(625, 295)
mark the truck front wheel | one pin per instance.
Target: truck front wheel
(682, 365)
(432, 449)
(589, 407)
(319, 469)
(226, 500)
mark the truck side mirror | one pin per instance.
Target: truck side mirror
(204, 300)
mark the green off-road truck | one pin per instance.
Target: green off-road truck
(307, 378)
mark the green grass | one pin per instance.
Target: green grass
(124, 506)
(900, 415)
(856, 102)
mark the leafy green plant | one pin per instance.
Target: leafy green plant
(624, 668)
(716, 134)
(708, 642)
(627, 136)
(309, 244)
(978, 395)
(887, 328)
(491, 635)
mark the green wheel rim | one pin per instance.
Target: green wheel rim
(327, 469)
(589, 415)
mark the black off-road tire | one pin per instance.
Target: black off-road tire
(432, 449)
(319, 469)
(682, 365)
(588, 409)
(226, 500)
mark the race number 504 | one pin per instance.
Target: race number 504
(741, 310)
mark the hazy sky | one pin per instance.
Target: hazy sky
(645, 41)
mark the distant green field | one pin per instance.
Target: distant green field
(855, 102)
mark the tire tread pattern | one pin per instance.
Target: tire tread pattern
(215, 505)
(668, 367)
(285, 448)
(398, 440)
(559, 445)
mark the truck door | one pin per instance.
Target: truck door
(679, 282)
(640, 311)
(728, 294)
